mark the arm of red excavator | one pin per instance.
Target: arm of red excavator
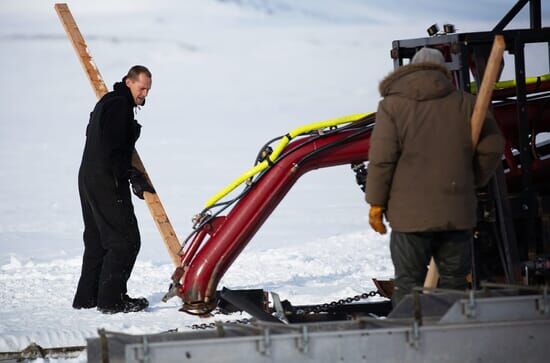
(204, 262)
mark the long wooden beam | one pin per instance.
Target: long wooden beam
(81, 49)
(478, 118)
(151, 199)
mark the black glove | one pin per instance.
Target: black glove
(140, 183)
(360, 174)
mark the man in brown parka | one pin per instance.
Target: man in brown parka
(423, 171)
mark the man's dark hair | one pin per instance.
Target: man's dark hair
(135, 71)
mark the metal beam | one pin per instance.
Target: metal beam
(510, 15)
(535, 14)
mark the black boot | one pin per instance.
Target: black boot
(138, 301)
(87, 305)
(127, 305)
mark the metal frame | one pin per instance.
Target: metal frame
(462, 51)
(405, 344)
(496, 328)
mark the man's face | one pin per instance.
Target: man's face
(139, 88)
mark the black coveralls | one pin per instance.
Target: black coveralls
(111, 235)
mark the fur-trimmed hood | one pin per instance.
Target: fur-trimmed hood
(421, 81)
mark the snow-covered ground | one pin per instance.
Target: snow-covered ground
(227, 76)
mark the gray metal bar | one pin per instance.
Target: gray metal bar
(496, 342)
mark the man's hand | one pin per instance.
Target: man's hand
(140, 184)
(376, 215)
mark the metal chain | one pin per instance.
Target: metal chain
(204, 326)
(302, 311)
(327, 306)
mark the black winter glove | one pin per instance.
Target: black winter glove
(360, 174)
(139, 183)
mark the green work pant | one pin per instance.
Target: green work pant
(411, 253)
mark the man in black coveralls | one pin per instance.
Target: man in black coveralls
(111, 234)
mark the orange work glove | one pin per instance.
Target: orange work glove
(376, 215)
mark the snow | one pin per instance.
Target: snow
(36, 296)
(227, 76)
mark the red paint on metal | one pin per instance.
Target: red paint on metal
(193, 247)
(218, 253)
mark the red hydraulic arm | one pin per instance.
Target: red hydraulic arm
(205, 262)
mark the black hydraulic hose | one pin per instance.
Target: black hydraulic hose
(333, 144)
(259, 156)
(358, 125)
(369, 125)
(368, 122)
(207, 220)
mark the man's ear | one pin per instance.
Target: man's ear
(127, 82)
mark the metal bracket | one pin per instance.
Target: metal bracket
(104, 345)
(264, 343)
(141, 353)
(172, 291)
(303, 340)
(413, 336)
(279, 310)
(145, 349)
(469, 307)
(543, 305)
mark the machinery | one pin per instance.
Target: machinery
(504, 317)
(512, 240)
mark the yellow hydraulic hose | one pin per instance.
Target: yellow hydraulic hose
(279, 149)
(512, 83)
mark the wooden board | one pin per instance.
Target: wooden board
(478, 118)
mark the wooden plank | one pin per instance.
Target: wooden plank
(151, 199)
(159, 215)
(81, 49)
(486, 89)
(478, 117)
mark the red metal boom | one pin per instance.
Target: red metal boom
(205, 266)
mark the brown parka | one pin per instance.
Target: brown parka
(422, 165)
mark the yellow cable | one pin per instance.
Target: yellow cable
(279, 149)
(512, 83)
